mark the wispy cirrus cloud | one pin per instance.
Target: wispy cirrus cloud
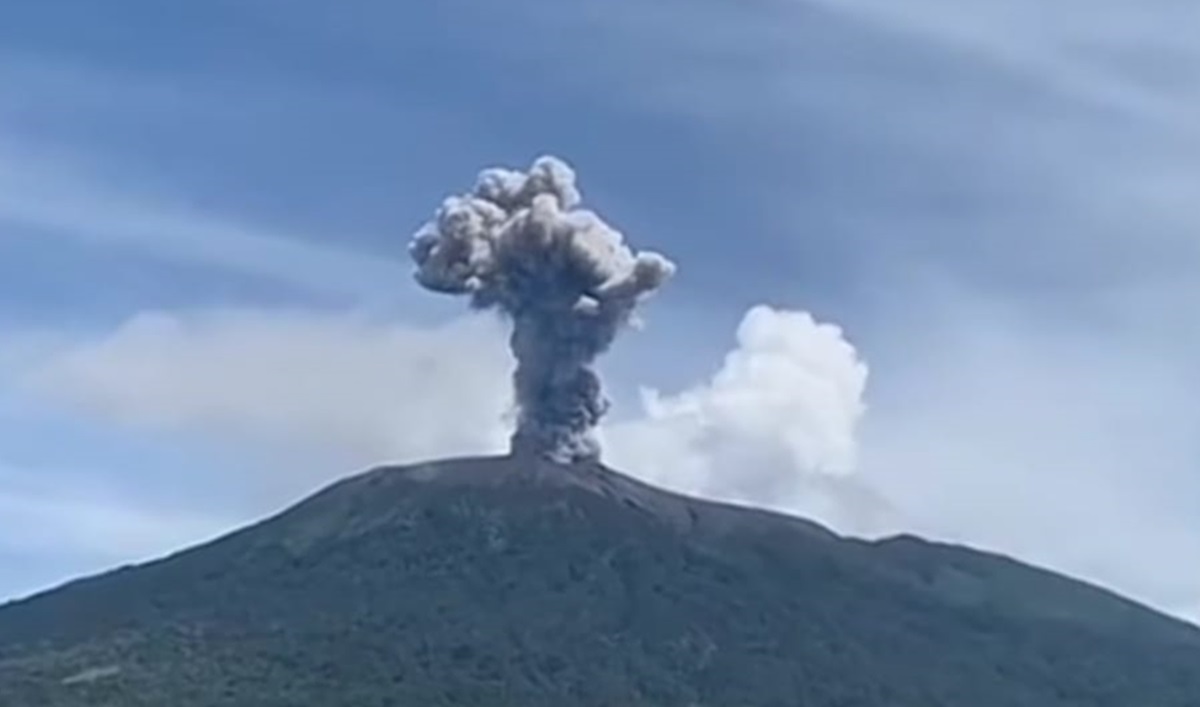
(258, 174)
(43, 195)
(967, 136)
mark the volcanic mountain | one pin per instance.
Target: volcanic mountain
(514, 582)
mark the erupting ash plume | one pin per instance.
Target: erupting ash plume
(521, 244)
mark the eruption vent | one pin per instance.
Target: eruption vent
(521, 244)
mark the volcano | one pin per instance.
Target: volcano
(513, 581)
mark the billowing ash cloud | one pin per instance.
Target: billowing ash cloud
(520, 243)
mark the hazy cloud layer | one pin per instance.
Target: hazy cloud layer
(355, 391)
(327, 394)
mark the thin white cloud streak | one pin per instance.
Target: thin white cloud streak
(1108, 158)
(41, 85)
(1064, 47)
(44, 194)
(1087, 51)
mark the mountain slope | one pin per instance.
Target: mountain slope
(501, 581)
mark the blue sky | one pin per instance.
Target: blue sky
(204, 210)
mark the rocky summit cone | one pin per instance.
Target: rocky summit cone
(516, 582)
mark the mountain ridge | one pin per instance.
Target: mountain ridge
(462, 581)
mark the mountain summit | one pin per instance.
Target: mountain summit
(517, 582)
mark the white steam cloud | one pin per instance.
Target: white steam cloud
(776, 425)
(519, 243)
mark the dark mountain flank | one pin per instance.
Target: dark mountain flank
(516, 582)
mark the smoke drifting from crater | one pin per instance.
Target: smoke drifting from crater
(520, 243)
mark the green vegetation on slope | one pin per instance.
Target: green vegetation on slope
(481, 582)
